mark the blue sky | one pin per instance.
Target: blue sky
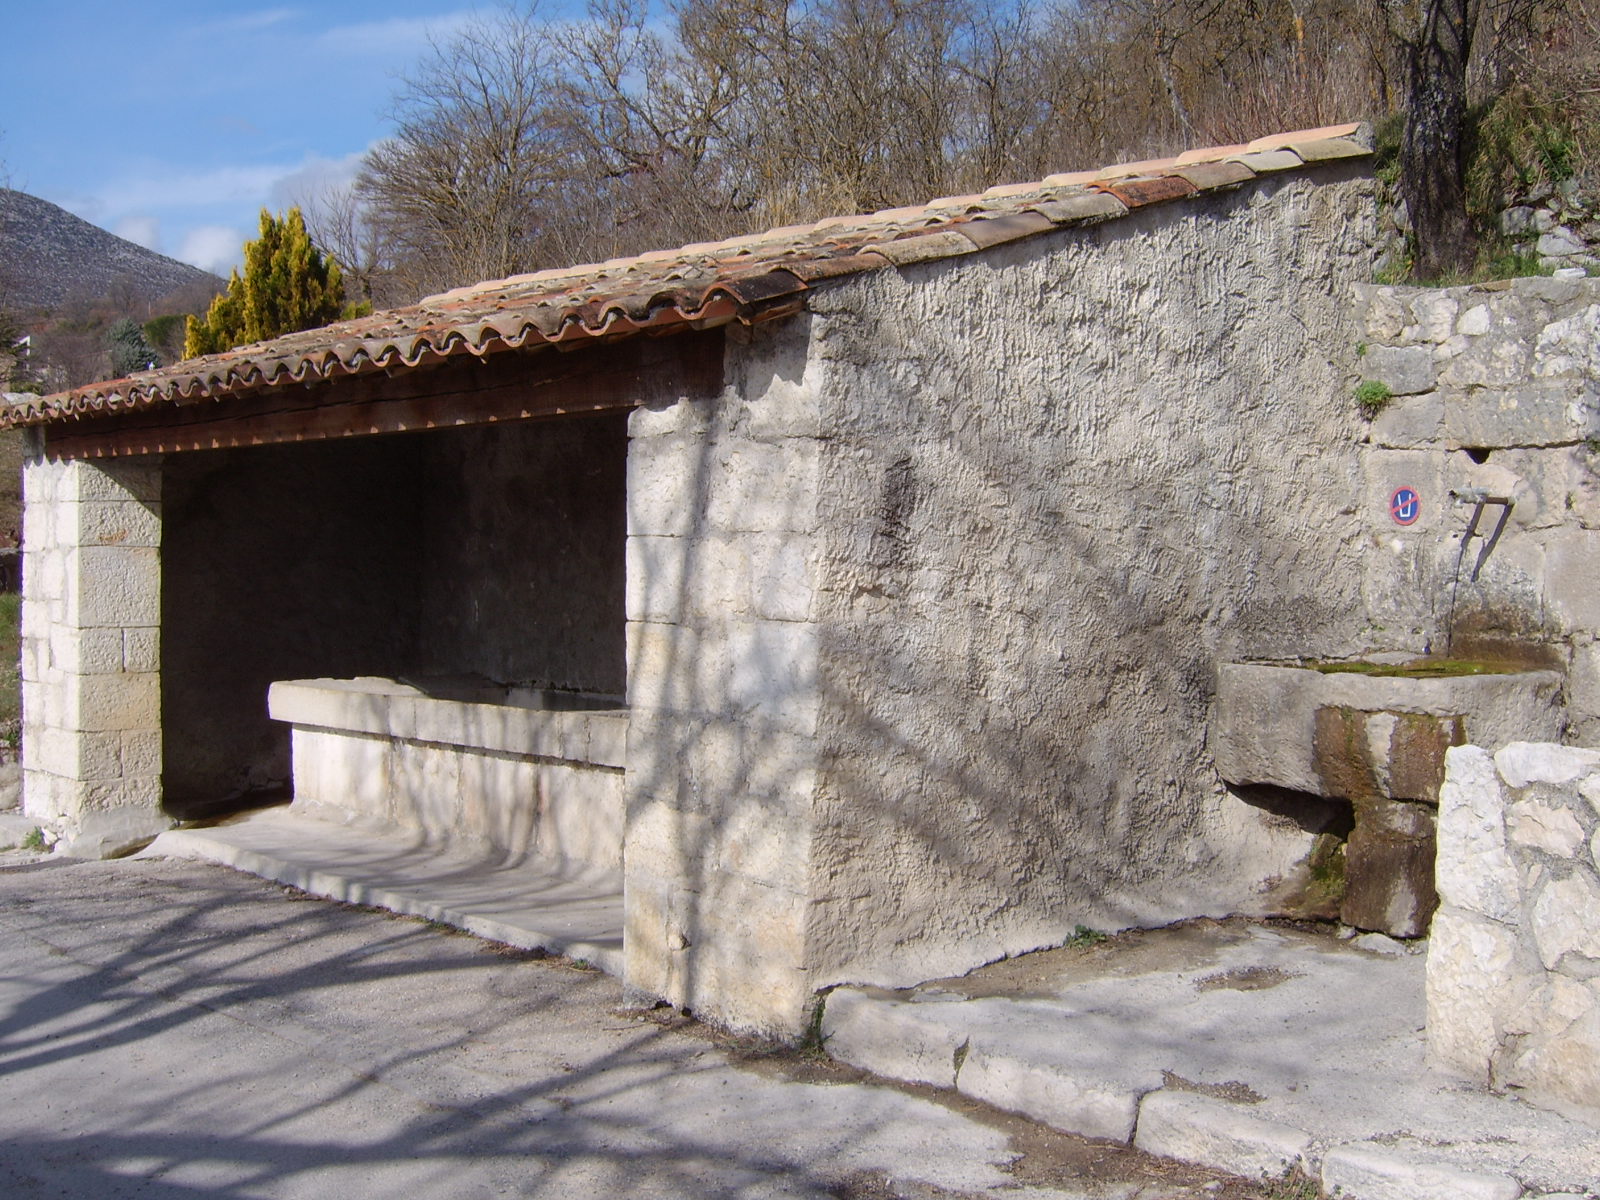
(174, 123)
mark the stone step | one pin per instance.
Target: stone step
(533, 905)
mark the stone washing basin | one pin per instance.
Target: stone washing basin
(1377, 741)
(1265, 726)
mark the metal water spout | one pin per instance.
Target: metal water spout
(1480, 499)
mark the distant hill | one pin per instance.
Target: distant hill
(48, 257)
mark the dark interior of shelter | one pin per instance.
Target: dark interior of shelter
(485, 554)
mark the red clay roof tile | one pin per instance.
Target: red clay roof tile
(749, 278)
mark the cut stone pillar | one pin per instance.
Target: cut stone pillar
(723, 695)
(91, 680)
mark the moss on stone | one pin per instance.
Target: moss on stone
(1418, 668)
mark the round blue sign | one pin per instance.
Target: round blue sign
(1405, 506)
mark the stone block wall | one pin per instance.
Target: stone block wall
(91, 677)
(1496, 388)
(722, 688)
(1513, 970)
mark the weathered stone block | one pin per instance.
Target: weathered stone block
(1404, 370)
(782, 586)
(1214, 1133)
(731, 953)
(669, 482)
(1473, 868)
(1564, 922)
(1529, 415)
(1572, 559)
(115, 524)
(1540, 826)
(1570, 347)
(141, 649)
(1434, 313)
(116, 480)
(1560, 1065)
(662, 418)
(1521, 764)
(1385, 315)
(1370, 1172)
(1410, 422)
(1470, 969)
(883, 1037)
(107, 703)
(1389, 883)
(765, 487)
(111, 832)
(1475, 322)
(115, 586)
(87, 651)
(656, 584)
(1070, 1101)
(342, 770)
(580, 815)
(773, 670)
(141, 752)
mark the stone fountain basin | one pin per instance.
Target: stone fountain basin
(1274, 724)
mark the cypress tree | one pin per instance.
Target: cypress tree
(288, 285)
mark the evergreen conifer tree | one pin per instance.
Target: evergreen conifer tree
(287, 285)
(130, 351)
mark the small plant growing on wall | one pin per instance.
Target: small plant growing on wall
(1372, 397)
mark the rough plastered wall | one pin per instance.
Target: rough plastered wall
(1514, 960)
(1060, 483)
(522, 564)
(91, 689)
(722, 662)
(1495, 387)
(279, 562)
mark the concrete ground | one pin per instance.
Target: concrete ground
(1238, 1043)
(175, 1028)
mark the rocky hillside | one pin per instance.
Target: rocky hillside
(48, 257)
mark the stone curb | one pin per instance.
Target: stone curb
(891, 1038)
(1215, 1133)
(1362, 1171)
(337, 885)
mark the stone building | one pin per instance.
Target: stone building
(853, 596)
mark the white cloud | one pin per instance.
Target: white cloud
(396, 35)
(250, 22)
(316, 178)
(192, 188)
(144, 230)
(214, 248)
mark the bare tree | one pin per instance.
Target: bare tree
(458, 190)
(342, 226)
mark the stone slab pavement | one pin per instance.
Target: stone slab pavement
(1256, 1046)
(526, 903)
(173, 1028)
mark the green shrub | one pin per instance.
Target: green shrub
(1372, 397)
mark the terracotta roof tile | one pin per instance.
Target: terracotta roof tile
(1262, 161)
(1149, 166)
(1081, 206)
(1208, 175)
(749, 278)
(1277, 141)
(1322, 149)
(1209, 154)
